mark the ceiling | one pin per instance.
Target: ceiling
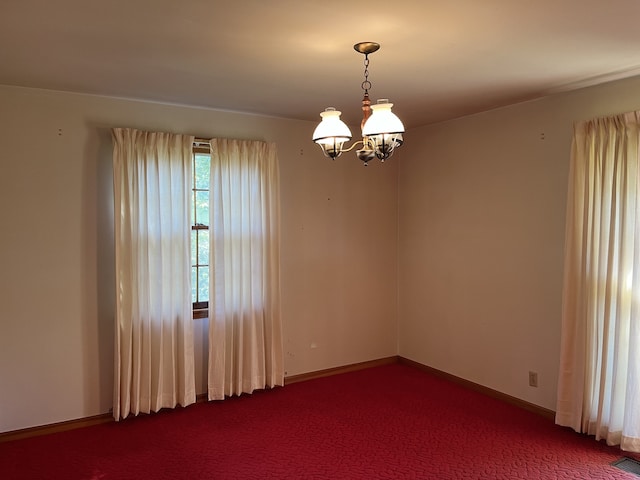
(292, 58)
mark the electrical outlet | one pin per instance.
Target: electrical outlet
(533, 379)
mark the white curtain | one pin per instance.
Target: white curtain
(245, 333)
(599, 377)
(154, 358)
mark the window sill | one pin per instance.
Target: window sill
(201, 313)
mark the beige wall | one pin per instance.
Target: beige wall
(339, 244)
(481, 236)
(478, 244)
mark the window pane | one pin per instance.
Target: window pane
(194, 278)
(202, 208)
(202, 167)
(203, 247)
(200, 238)
(194, 247)
(203, 284)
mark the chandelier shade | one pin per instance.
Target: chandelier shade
(381, 129)
(382, 120)
(331, 133)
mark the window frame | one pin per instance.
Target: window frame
(200, 309)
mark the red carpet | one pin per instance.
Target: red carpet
(390, 422)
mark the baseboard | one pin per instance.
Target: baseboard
(544, 412)
(56, 427)
(337, 370)
(107, 417)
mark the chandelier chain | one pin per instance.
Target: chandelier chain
(366, 85)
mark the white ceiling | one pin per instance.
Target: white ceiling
(439, 59)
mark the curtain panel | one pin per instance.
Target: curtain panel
(599, 376)
(154, 357)
(245, 332)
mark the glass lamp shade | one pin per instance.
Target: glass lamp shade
(331, 133)
(383, 129)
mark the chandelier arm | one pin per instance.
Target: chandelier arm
(352, 146)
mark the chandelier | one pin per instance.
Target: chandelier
(381, 129)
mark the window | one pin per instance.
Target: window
(200, 230)
(179, 178)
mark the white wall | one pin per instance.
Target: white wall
(339, 244)
(481, 236)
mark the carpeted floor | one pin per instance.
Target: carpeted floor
(390, 422)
